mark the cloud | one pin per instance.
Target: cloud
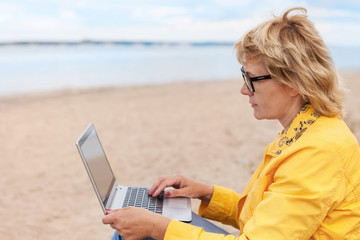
(232, 2)
(337, 26)
(156, 12)
(335, 33)
(181, 29)
(68, 14)
(323, 13)
(224, 20)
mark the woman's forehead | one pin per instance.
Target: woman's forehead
(255, 68)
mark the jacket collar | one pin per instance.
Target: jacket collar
(305, 117)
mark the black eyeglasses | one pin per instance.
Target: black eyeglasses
(249, 80)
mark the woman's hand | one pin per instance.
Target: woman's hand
(184, 187)
(136, 223)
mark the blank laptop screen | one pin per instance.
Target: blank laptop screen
(97, 162)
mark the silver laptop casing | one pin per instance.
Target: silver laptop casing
(173, 208)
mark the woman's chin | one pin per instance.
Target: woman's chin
(259, 116)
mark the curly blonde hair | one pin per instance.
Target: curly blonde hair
(295, 55)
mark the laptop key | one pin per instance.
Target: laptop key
(139, 197)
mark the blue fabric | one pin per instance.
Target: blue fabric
(116, 236)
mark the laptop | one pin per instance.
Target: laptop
(114, 196)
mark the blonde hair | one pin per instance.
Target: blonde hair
(295, 55)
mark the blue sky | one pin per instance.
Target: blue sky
(167, 20)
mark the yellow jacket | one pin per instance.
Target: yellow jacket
(307, 187)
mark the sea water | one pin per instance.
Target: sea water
(26, 69)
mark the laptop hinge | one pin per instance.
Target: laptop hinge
(112, 195)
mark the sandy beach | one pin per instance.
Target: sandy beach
(204, 130)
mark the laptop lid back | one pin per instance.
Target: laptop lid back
(96, 164)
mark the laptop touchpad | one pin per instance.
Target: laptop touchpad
(178, 203)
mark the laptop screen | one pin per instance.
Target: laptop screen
(97, 163)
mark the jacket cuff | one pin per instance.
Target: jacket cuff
(222, 206)
(178, 231)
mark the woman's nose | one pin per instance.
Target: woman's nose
(244, 90)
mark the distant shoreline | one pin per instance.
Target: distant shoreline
(124, 43)
(74, 90)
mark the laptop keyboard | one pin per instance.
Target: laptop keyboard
(138, 197)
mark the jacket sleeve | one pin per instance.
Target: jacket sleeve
(223, 207)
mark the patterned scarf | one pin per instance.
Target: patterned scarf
(301, 122)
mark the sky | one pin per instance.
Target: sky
(167, 20)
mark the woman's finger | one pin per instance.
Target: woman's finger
(111, 216)
(161, 187)
(155, 186)
(182, 192)
(108, 219)
(166, 182)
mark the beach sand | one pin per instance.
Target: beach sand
(204, 130)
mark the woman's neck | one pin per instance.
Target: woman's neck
(290, 116)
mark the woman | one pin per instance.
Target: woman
(308, 185)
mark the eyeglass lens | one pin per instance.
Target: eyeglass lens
(247, 80)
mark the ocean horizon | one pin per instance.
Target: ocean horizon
(42, 66)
